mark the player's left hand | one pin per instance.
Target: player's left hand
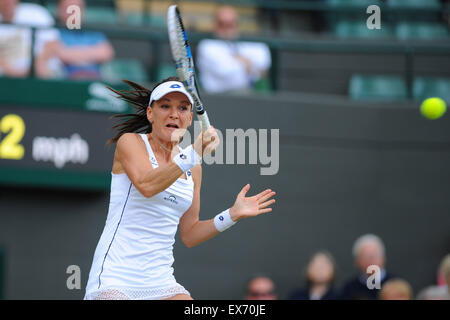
(246, 207)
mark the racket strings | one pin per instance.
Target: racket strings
(182, 55)
(180, 48)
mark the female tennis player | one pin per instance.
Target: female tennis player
(155, 187)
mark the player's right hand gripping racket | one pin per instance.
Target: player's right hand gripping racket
(184, 62)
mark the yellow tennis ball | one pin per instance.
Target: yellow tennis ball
(433, 108)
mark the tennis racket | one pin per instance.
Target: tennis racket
(184, 62)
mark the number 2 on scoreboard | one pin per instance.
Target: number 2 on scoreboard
(14, 127)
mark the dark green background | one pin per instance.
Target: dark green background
(346, 168)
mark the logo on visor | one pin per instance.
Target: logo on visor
(175, 86)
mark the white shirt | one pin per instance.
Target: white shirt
(220, 71)
(133, 259)
(31, 14)
(15, 40)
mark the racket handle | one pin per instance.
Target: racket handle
(204, 121)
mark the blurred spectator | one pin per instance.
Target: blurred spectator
(80, 52)
(441, 291)
(261, 287)
(16, 36)
(226, 64)
(320, 276)
(367, 250)
(396, 289)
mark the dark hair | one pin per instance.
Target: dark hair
(138, 98)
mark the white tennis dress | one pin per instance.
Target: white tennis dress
(134, 257)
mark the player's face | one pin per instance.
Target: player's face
(170, 116)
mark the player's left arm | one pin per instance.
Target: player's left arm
(193, 231)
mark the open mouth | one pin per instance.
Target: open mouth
(172, 125)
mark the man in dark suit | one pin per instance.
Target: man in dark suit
(370, 258)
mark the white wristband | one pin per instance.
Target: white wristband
(223, 220)
(187, 159)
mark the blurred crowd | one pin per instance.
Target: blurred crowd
(371, 281)
(46, 50)
(33, 43)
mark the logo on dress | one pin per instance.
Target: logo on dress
(188, 172)
(153, 161)
(172, 199)
(220, 218)
(175, 86)
(183, 156)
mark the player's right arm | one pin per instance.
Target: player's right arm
(133, 158)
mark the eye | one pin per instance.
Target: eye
(164, 106)
(184, 108)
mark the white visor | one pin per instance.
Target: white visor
(167, 87)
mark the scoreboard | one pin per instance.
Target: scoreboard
(51, 142)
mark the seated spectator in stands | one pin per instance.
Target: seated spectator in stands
(320, 276)
(81, 52)
(226, 64)
(441, 291)
(261, 287)
(16, 36)
(396, 289)
(367, 250)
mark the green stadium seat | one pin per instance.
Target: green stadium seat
(157, 21)
(423, 30)
(419, 4)
(134, 18)
(141, 19)
(118, 69)
(352, 3)
(377, 87)
(424, 87)
(352, 24)
(343, 11)
(358, 29)
(263, 85)
(100, 15)
(423, 10)
(51, 7)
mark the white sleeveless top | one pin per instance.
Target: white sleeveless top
(134, 257)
